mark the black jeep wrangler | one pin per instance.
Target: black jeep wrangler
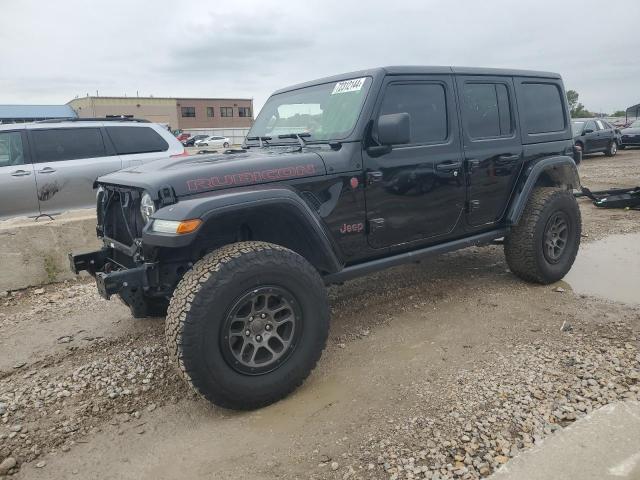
(337, 178)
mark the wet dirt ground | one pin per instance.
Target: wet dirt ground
(444, 369)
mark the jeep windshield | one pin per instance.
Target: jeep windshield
(322, 112)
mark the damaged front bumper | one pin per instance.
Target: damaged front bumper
(113, 278)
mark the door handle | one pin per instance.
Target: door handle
(509, 158)
(47, 170)
(373, 177)
(20, 173)
(448, 166)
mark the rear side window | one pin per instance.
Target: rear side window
(542, 108)
(129, 140)
(425, 103)
(487, 110)
(60, 144)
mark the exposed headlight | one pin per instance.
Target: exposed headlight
(175, 227)
(147, 207)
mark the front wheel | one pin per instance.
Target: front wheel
(247, 324)
(612, 149)
(225, 144)
(544, 244)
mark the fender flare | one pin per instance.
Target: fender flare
(561, 169)
(208, 208)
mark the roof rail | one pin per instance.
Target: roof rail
(103, 119)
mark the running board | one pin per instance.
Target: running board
(354, 271)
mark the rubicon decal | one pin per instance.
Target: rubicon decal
(247, 178)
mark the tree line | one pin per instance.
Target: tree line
(579, 111)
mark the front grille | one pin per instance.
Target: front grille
(119, 215)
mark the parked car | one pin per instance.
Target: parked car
(399, 164)
(595, 135)
(49, 167)
(189, 142)
(213, 141)
(630, 136)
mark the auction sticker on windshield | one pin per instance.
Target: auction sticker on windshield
(348, 86)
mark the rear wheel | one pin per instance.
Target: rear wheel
(247, 324)
(544, 244)
(612, 149)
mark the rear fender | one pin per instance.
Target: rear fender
(552, 171)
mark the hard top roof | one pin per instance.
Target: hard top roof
(423, 70)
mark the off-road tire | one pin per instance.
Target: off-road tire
(612, 149)
(202, 301)
(525, 243)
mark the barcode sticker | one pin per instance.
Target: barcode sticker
(348, 86)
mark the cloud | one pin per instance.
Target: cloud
(53, 51)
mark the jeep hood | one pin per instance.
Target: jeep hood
(202, 173)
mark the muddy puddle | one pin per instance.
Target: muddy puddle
(608, 268)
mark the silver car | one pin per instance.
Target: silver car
(49, 167)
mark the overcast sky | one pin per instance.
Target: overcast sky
(53, 51)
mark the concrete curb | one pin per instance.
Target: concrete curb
(35, 253)
(603, 445)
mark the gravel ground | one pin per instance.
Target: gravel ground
(441, 370)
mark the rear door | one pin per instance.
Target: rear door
(17, 179)
(605, 134)
(137, 144)
(67, 161)
(591, 137)
(492, 145)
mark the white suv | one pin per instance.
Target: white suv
(49, 167)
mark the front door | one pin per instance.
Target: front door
(416, 191)
(492, 146)
(591, 137)
(17, 179)
(67, 162)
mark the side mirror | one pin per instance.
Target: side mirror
(587, 130)
(394, 129)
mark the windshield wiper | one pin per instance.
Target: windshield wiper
(260, 139)
(297, 136)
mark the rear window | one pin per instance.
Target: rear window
(129, 140)
(60, 144)
(542, 108)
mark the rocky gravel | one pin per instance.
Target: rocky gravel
(57, 402)
(492, 412)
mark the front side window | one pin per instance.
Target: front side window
(426, 105)
(542, 108)
(326, 112)
(591, 125)
(226, 111)
(244, 112)
(188, 112)
(600, 125)
(130, 140)
(487, 110)
(67, 144)
(210, 111)
(11, 152)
